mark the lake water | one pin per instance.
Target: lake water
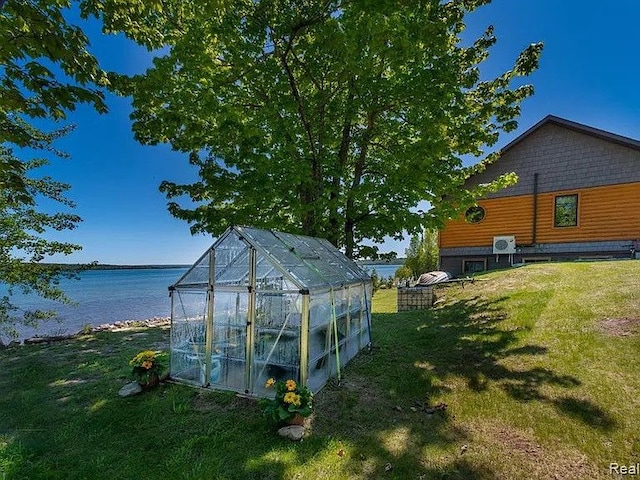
(108, 296)
(105, 296)
(383, 270)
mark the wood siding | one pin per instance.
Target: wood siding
(563, 159)
(604, 213)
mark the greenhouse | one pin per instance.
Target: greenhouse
(261, 304)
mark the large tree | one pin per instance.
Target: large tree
(328, 117)
(45, 71)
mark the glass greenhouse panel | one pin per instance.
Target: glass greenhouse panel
(323, 264)
(232, 262)
(352, 272)
(187, 339)
(365, 338)
(198, 274)
(321, 339)
(356, 320)
(319, 310)
(270, 276)
(276, 351)
(229, 340)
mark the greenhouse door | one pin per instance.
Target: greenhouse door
(246, 351)
(230, 325)
(276, 339)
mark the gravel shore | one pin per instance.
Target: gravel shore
(115, 326)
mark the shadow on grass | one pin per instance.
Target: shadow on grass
(586, 412)
(64, 419)
(475, 343)
(469, 340)
(417, 357)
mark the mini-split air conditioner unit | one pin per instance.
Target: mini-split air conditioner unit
(504, 244)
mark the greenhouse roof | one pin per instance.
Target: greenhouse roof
(305, 262)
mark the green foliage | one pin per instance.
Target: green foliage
(404, 273)
(376, 281)
(46, 71)
(372, 252)
(22, 246)
(423, 253)
(330, 118)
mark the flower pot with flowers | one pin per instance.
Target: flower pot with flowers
(147, 368)
(291, 405)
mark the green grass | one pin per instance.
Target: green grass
(535, 387)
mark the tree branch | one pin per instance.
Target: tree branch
(347, 125)
(298, 99)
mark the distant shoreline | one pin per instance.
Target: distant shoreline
(134, 267)
(395, 261)
(107, 266)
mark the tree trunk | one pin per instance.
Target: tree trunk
(333, 235)
(309, 195)
(349, 243)
(308, 217)
(358, 172)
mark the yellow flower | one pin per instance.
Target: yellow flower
(291, 385)
(292, 398)
(142, 357)
(147, 364)
(270, 382)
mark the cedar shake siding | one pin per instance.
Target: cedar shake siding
(601, 171)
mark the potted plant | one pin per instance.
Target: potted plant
(292, 402)
(147, 368)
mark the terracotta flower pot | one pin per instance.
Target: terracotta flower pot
(154, 380)
(297, 420)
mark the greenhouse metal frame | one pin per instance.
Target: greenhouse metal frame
(262, 304)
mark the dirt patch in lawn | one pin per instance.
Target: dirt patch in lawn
(620, 327)
(221, 402)
(351, 392)
(355, 395)
(516, 451)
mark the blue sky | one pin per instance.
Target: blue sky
(589, 73)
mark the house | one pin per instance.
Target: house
(577, 197)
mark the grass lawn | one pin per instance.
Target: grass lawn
(538, 367)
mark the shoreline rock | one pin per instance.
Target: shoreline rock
(112, 327)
